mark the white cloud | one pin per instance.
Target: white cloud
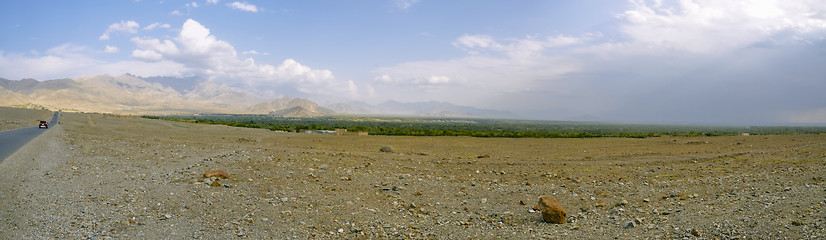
(243, 6)
(518, 48)
(192, 4)
(212, 1)
(175, 13)
(203, 54)
(148, 55)
(122, 26)
(156, 25)
(254, 52)
(708, 26)
(111, 49)
(509, 69)
(59, 61)
(406, 4)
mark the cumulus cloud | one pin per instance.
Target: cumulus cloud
(707, 26)
(175, 13)
(192, 4)
(156, 25)
(201, 53)
(122, 26)
(212, 1)
(111, 49)
(243, 6)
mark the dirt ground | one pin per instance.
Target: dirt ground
(108, 177)
(14, 118)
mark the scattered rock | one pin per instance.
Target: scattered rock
(216, 173)
(552, 212)
(386, 149)
(629, 224)
(483, 156)
(695, 232)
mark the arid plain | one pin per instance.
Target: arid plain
(110, 177)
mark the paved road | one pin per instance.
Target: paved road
(12, 140)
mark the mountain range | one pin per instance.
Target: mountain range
(129, 94)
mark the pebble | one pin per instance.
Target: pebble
(629, 224)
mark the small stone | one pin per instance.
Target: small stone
(629, 224)
(522, 202)
(216, 173)
(552, 212)
(645, 200)
(483, 156)
(623, 202)
(695, 232)
(386, 149)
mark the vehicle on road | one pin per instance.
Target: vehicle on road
(43, 124)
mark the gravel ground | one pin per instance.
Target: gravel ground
(109, 177)
(14, 118)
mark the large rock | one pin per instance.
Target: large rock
(216, 173)
(552, 212)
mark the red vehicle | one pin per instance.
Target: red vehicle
(43, 124)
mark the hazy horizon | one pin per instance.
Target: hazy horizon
(670, 62)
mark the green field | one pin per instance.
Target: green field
(473, 127)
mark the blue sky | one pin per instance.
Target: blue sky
(687, 61)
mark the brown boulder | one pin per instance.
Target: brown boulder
(552, 212)
(216, 173)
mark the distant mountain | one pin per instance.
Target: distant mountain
(353, 108)
(126, 94)
(431, 108)
(291, 107)
(129, 94)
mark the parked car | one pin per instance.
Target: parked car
(43, 124)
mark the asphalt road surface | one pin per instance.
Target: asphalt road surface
(12, 140)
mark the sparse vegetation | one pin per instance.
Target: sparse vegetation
(420, 126)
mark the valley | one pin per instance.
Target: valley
(110, 176)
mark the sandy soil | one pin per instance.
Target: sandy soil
(105, 177)
(14, 118)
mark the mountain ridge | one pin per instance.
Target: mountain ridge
(130, 94)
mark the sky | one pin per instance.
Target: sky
(735, 62)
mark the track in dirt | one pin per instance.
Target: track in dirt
(12, 140)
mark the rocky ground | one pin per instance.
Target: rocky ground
(108, 177)
(14, 118)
